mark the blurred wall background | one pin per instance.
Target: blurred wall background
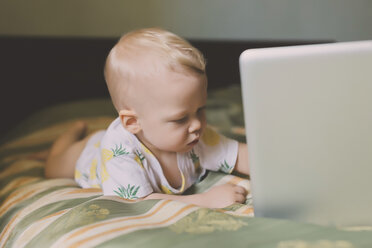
(340, 20)
(31, 65)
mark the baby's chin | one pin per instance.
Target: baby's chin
(180, 148)
(188, 148)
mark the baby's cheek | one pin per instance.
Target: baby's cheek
(181, 136)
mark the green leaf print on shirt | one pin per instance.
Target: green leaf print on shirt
(85, 176)
(195, 160)
(225, 167)
(139, 158)
(129, 192)
(119, 150)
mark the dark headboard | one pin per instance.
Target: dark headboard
(40, 71)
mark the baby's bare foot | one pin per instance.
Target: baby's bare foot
(41, 155)
(78, 130)
(72, 135)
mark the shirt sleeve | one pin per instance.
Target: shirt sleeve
(123, 174)
(217, 152)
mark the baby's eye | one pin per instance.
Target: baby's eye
(182, 120)
(201, 110)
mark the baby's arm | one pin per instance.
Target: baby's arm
(217, 197)
(241, 165)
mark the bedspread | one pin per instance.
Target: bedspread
(36, 212)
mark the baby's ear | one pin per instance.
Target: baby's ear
(130, 121)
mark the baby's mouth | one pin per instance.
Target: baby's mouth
(193, 142)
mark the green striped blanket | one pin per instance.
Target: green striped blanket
(36, 212)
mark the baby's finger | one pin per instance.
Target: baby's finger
(240, 190)
(239, 198)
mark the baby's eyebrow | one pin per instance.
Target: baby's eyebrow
(183, 113)
(178, 115)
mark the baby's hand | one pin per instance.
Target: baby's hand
(224, 195)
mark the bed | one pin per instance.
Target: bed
(36, 212)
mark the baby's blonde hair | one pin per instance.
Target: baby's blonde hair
(151, 47)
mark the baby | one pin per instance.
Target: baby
(159, 145)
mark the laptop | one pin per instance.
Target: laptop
(308, 117)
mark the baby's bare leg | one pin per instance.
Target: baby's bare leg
(65, 152)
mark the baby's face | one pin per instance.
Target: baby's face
(173, 117)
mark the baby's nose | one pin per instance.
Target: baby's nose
(195, 125)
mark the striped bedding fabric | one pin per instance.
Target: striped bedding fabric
(36, 212)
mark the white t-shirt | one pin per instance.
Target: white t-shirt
(116, 161)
